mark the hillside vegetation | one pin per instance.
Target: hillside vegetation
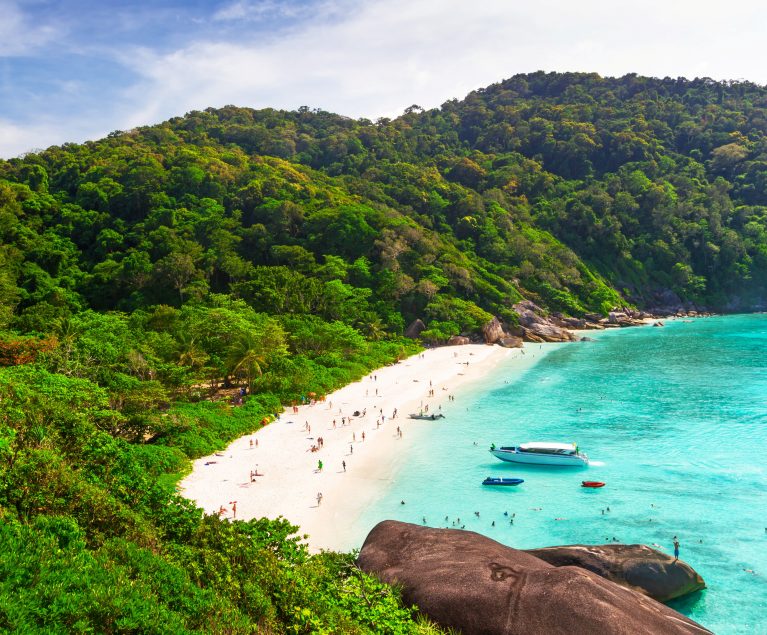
(146, 276)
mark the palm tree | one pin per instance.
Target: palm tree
(246, 354)
(374, 329)
(189, 353)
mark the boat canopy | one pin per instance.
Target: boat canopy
(549, 448)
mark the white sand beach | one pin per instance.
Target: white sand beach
(289, 481)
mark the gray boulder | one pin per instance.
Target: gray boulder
(493, 331)
(468, 582)
(415, 329)
(458, 340)
(636, 567)
(510, 341)
(538, 328)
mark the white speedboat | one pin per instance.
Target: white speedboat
(542, 454)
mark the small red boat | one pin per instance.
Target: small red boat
(592, 484)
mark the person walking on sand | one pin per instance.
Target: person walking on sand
(234, 509)
(676, 549)
(319, 466)
(319, 498)
(343, 464)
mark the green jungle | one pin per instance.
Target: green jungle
(146, 275)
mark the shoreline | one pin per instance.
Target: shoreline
(289, 481)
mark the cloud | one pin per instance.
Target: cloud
(17, 139)
(375, 58)
(19, 35)
(242, 10)
(388, 55)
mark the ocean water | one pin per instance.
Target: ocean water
(674, 420)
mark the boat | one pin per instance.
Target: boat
(592, 484)
(541, 453)
(427, 417)
(490, 480)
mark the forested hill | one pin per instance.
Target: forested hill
(149, 277)
(544, 186)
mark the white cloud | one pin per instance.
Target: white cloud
(378, 57)
(16, 139)
(18, 35)
(390, 54)
(242, 10)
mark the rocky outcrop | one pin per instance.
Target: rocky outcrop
(538, 328)
(415, 329)
(458, 340)
(510, 341)
(468, 582)
(493, 331)
(634, 566)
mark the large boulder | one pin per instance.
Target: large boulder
(458, 340)
(470, 583)
(538, 328)
(636, 567)
(493, 331)
(510, 341)
(415, 329)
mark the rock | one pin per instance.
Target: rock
(636, 567)
(415, 329)
(545, 332)
(470, 583)
(510, 341)
(537, 328)
(493, 331)
(573, 323)
(587, 339)
(458, 340)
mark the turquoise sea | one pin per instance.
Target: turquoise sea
(674, 420)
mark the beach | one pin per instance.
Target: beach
(275, 471)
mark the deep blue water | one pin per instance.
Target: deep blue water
(674, 420)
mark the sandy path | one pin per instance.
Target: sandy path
(290, 481)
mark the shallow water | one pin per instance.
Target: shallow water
(674, 420)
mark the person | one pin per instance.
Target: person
(319, 498)
(234, 509)
(319, 466)
(676, 549)
(343, 464)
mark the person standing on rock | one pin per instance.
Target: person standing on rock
(676, 549)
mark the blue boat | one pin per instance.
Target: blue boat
(502, 481)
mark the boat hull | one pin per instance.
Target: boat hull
(503, 481)
(592, 484)
(565, 460)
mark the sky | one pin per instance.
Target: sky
(74, 70)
